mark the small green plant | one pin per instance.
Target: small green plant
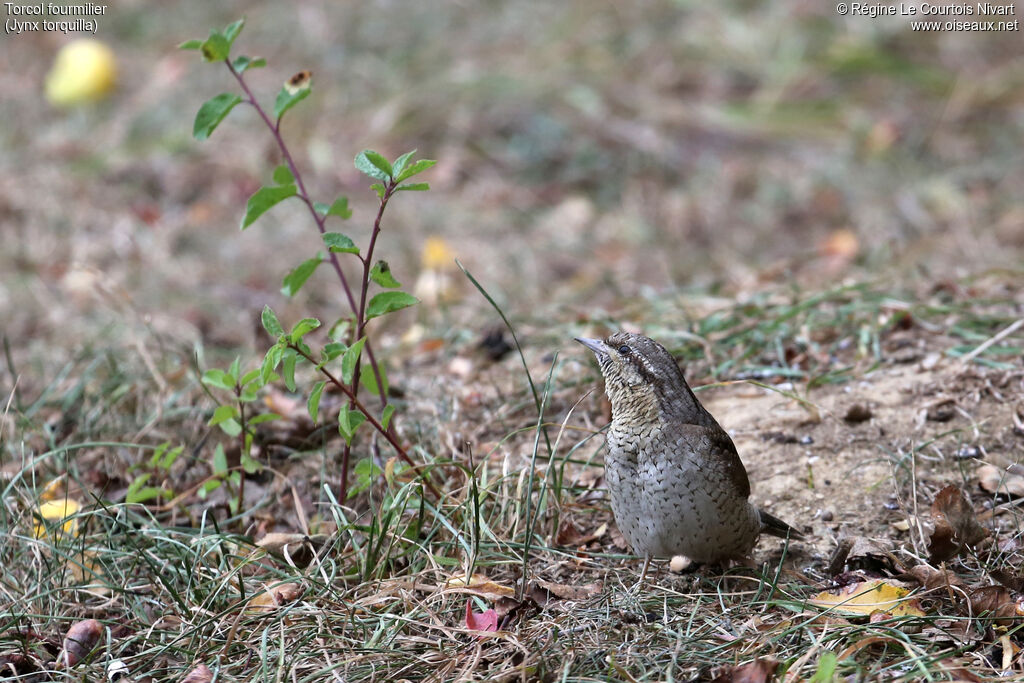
(159, 465)
(340, 360)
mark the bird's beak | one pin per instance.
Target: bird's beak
(595, 345)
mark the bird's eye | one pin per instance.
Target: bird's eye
(624, 350)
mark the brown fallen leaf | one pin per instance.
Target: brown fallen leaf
(757, 671)
(295, 549)
(200, 674)
(510, 610)
(1014, 582)
(931, 578)
(80, 640)
(956, 526)
(568, 592)
(866, 597)
(995, 603)
(1002, 482)
(274, 597)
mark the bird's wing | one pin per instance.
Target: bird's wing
(720, 451)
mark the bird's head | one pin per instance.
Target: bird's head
(642, 379)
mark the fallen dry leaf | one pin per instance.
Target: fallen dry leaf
(200, 674)
(1002, 482)
(80, 641)
(510, 610)
(956, 526)
(480, 585)
(296, 549)
(274, 597)
(996, 603)
(1014, 582)
(867, 597)
(931, 578)
(569, 592)
(58, 516)
(757, 671)
(483, 621)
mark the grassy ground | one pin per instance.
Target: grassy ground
(818, 215)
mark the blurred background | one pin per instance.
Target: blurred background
(593, 157)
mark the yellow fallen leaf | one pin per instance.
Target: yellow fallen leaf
(55, 512)
(868, 597)
(53, 490)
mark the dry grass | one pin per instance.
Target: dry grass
(821, 206)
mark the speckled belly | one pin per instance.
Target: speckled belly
(668, 502)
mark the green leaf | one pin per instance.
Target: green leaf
(339, 208)
(263, 199)
(248, 377)
(417, 168)
(331, 351)
(270, 362)
(385, 418)
(303, 327)
(231, 427)
(366, 472)
(263, 417)
(215, 48)
(138, 493)
(232, 30)
(294, 280)
(339, 243)
(250, 464)
(381, 274)
(373, 164)
(283, 175)
(350, 361)
(218, 378)
(241, 63)
(369, 380)
(212, 113)
(349, 421)
(193, 44)
(286, 100)
(288, 369)
(386, 302)
(379, 189)
(270, 322)
(235, 368)
(413, 187)
(313, 404)
(220, 461)
(400, 163)
(222, 414)
(207, 487)
(163, 458)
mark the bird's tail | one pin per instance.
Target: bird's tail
(772, 525)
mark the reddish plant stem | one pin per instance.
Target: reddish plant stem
(391, 438)
(275, 131)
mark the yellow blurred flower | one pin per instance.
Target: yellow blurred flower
(84, 71)
(437, 255)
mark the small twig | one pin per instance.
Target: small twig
(1010, 329)
(392, 439)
